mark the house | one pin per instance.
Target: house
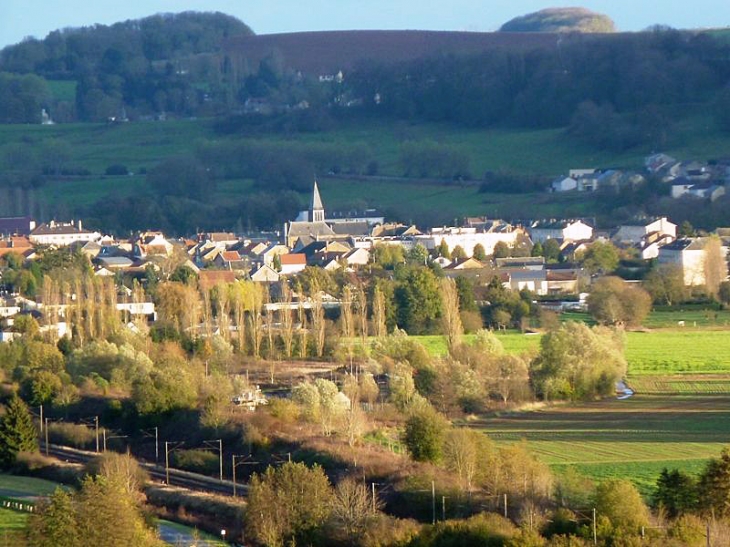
(371, 217)
(527, 263)
(114, 263)
(61, 234)
(152, 243)
(657, 162)
(249, 398)
(292, 263)
(357, 257)
(22, 226)
(690, 254)
(636, 232)
(273, 251)
(564, 184)
(707, 190)
(468, 237)
(207, 279)
(264, 274)
(562, 230)
(15, 244)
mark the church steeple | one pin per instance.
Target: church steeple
(316, 211)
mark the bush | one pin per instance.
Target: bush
(76, 435)
(197, 461)
(116, 170)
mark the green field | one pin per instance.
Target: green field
(12, 520)
(546, 152)
(658, 352)
(633, 438)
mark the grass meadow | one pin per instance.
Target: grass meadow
(633, 438)
(546, 152)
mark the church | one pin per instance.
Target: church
(309, 226)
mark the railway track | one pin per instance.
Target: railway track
(179, 478)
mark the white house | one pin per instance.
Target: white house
(690, 255)
(61, 234)
(469, 237)
(564, 184)
(637, 232)
(292, 263)
(570, 230)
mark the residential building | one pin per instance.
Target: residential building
(690, 255)
(561, 230)
(62, 234)
(639, 230)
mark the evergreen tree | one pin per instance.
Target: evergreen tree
(17, 432)
(714, 484)
(54, 523)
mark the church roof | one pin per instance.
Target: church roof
(316, 199)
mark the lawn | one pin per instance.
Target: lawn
(13, 486)
(686, 350)
(634, 438)
(12, 520)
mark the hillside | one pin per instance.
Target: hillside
(561, 20)
(83, 153)
(327, 52)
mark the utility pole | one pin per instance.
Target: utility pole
(505, 505)
(167, 464)
(220, 454)
(96, 425)
(41, 409)
(146, 433)
(443, 508)
(167, 457)
(236, 464)
(46, 433)
(595, 535)
(433, 502)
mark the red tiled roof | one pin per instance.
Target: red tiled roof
(293, 259)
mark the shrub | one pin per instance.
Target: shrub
(116, 170)
(196, 461)
(76, 435)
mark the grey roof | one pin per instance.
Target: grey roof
(316, 199)
(351, 228)
(300, 229)
(118, 261)
(686, 244)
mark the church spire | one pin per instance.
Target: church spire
(316, 212)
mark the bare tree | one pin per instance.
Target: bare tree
(381, 329)
(353, 506)
(285, 319)
(347, 322)
(318, 321)
(361, 316)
